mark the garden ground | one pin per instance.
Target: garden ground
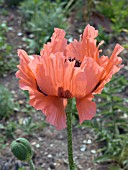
(50, 147)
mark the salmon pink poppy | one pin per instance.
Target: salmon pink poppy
(64, 71)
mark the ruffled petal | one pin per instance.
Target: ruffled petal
(103, 61)
(90, 32)
(53, 107)
(73, 50)
(23, 56)
(54, 72)
(84, 81)
(111, 66)
(88, 43)
(58, 43)
(86, 47)
(114, 59)
(25, 74)
(86, 108)
(103, 82)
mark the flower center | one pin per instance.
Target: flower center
(77, 62)
(64, 93)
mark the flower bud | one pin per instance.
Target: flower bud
(22, 150)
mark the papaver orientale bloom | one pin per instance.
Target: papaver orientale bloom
(64, 71)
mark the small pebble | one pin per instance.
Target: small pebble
(83, 148)
(93, 151)
(31, 36)
(10, 28)
(37, 145)
(80, 30)
(19, 34)
(125, 115)
(54, 163)
(89, 141)
(49, 156)
(60, 137)
(33, 143)
(70, 39)
(40, 139)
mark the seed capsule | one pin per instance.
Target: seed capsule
(21, 149)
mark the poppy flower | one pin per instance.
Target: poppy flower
(64, 71)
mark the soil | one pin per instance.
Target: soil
(49, 145)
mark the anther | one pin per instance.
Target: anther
(64, 93)
(77, 62)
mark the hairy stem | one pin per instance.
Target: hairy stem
(69, 134)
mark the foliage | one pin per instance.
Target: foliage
(3, 45)
(79, 7)
(6, 62)
(102, 35)
(116, 11)
(9, 130)
(41, 17)
(14, 126)
(23, 126)
(7, 105)
(6, 133)
(28, 126)
(1, 2)
(112, 125)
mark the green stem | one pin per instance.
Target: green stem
(32, 167)
(69, 134)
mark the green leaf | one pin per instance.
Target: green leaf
(115, 167)
(103, 159)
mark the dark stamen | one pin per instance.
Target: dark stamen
(77, 62)
(64, 93)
